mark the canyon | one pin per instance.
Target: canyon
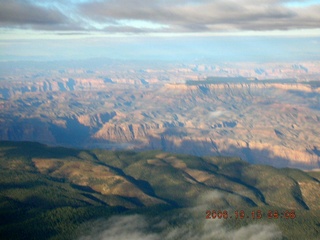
(265, 115)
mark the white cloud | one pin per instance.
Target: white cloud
(140, 227)
(132, 227)
(136, 227)
(217, 114)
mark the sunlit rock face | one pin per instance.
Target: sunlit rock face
(272, 121)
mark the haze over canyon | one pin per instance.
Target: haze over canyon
(263, 113)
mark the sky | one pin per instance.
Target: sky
(241, 30)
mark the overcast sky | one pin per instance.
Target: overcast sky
(33, 27)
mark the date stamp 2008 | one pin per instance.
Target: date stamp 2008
(257, 214)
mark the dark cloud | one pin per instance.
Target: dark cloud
(206, 16)
(19, 13)
(26, 14)
(166, 16)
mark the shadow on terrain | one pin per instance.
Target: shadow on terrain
(205, 148)
(143, 185)
(37, 150)
(73, 134)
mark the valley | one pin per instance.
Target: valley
(266, 116)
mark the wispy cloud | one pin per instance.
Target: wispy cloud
(139, 227)
(136, 227)
(217, 114)
(182, 16)
(133, 227)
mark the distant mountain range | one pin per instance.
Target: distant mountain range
(59, 193)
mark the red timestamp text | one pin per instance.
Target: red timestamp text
(256, 214)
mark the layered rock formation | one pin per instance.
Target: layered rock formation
(273, 122)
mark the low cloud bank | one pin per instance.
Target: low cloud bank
(140, 227)
(136, 227)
